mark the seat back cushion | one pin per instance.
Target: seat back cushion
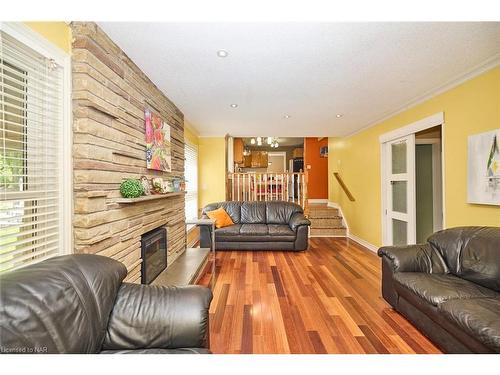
(253, 213)
(281, 212)
(472, 253)
(61, 305)
(232, 208)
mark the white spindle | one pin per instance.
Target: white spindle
(282, 187)
(232, 187)
(299, 190)
(265, 186)
(249, 186)
(238, 186)
(303, 190)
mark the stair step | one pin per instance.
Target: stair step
(328, 231)
(330, 222)
(323, 212)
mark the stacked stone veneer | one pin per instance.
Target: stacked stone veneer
(109, 96)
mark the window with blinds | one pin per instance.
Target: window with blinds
(31, 108)
(191, 175)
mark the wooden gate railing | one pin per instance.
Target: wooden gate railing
(255, 186)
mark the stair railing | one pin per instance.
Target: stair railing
(344, 186)
(257, 186)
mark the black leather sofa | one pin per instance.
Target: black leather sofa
(79, 304)
(449, 288)
(272, 225)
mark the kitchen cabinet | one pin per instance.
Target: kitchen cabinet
(259, 159)
(238, 147)
(247, 161)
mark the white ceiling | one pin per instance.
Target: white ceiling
(311, 71)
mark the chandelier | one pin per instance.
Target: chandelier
(273, 142)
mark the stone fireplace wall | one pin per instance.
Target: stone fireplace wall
(109, 96)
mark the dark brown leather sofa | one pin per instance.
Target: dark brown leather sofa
(449, 287)
(273, 225)
(79, 304)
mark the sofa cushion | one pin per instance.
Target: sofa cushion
(280, 230)
(232, 230)
(281, 212)
(253, 213)
(436, 288)
(254, 230)
(230, 233)
(471, 253)
(281, 233)
(479, 317)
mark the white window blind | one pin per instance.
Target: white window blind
(191, 175)
(31, 108)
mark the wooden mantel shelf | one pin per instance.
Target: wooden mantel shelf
(148, 197)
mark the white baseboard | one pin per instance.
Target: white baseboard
(364, 243)
(361, 241)
(317, 201)
(327, 236)
(333, 204)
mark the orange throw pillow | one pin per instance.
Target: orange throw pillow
(222, 219)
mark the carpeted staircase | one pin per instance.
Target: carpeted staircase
(325, 221)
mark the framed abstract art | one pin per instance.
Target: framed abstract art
(158, 146)
(484, 168)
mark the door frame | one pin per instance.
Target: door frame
(415, 127)
(279, 153)
(437, 176)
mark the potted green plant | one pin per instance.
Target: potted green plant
(131, 188)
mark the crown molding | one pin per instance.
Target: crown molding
(483, 67)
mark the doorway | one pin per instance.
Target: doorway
(428, 188)
(412, 182)
(276, 162)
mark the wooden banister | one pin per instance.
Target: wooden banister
(343, 186)
(268, 186)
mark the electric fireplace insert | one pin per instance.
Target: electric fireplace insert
(154, 254)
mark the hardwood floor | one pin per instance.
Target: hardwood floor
(324, 300)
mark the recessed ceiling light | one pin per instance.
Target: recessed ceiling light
(339, 115)
(234, 105)
(287, 116)
(222, 53)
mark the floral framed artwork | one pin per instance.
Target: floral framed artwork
(158, 143)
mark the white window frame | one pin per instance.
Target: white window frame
(38, 43)
(190, 144)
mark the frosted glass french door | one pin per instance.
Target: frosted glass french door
(400, 191)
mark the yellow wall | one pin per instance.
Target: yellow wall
(211, 170)
(190, 134)
(58, 33)
(470, 108)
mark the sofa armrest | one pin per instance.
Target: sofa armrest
(413, 258)
(146, 316)
(297, 220)
(205, 234)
